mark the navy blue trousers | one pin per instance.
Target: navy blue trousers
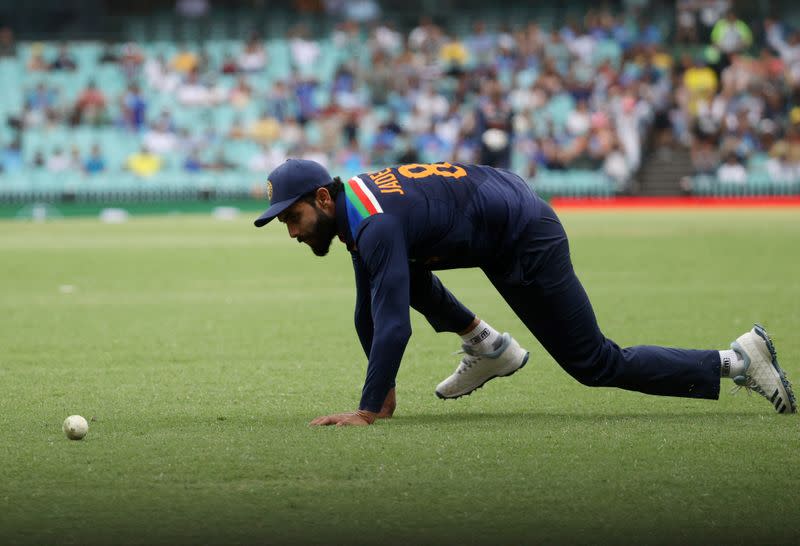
(540, 285)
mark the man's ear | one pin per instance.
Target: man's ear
(323, 198)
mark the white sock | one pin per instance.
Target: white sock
(730, 364)
(482, 339)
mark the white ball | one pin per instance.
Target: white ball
(75, 427)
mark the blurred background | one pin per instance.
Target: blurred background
(105, 102)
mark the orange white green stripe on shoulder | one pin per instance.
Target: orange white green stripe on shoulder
(361, 203)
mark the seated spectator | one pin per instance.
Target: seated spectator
(64, 60)
(11, 159)
(95, 163)
(237, 130)
(75, 161)
(185, 61)
(379, 79)
(601, 137)
(432, 105)
(787, 46)
(144, 163)
(8, 48)
(159, 76)
(91, 106)
(578, 120)
(343, 89)
(549, 155)
(777, 166)
(384, 39)
(425, 36)
(108, 55)
(616, 166)
(254, 56)
(304, 51)
(42, 98)
(731, 35)
(745, 73)
(575, 151)
(704, 155)
(304, 88)
(701, 83)
(686, 20)
(193, 92)
(453, 55)
(346, 38)
(794, 163)
(160, 139)
(192, 163)
(448, 127)
(732, 170)
(240, 94)
(481, 43)
(264, 129)
(38, 161)
(37, 62)
(229, 64)
(217, 93)
(385, 141)
(131, 59)
(134, 108)
(279, 101)
(59, 162)
(493, 127)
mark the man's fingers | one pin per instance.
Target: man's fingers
(339, 419)
(354, 421)
(325, 420)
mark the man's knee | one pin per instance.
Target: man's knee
(597, 368)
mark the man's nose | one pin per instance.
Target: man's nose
(292, 231)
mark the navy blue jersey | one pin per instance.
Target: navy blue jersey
(438, 216)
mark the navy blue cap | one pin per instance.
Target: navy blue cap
(287, 183)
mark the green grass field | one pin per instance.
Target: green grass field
(202, 348)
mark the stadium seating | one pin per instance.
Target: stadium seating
(166, 35)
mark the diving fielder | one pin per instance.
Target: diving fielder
(404, 222)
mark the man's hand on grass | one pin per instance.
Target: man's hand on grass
(358, 418)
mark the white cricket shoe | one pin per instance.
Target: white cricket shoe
(476, 369)
(762, 372)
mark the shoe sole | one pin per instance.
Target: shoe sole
(788, 395)
(509, 374)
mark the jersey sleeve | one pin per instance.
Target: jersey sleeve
(363, 311)
(382, 247)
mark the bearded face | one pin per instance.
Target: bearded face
(321, 233)
(307, 223)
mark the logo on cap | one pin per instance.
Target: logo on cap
(269, 190)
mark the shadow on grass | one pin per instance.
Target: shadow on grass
(558, 418)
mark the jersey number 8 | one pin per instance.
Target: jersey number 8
(424, 170)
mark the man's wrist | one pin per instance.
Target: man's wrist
(368, 416)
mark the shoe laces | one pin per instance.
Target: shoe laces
(748, 383)
(467, 361)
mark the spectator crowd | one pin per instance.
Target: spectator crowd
(585, 95)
